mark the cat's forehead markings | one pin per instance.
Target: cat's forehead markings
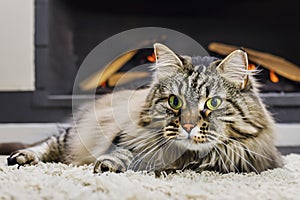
(203, 91)
(207, 91)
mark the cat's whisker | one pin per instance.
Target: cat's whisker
(151, 160)
(138, 158)
(242, 146)
(221, 159)
(210, 162)
(154, 160)
(232, 162)
(140, 142)
(242, 157)
(153, 147)
(154, 141)
(142, 138)
(214, 135)
(155, 151)
(228, 146)
(153, 155)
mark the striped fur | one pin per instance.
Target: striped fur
(218, 123)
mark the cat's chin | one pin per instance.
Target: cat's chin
(193, 146)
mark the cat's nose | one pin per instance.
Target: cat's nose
(188, 127)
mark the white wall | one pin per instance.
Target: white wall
(16, 45)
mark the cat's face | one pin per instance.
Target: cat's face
(196, 101)
(192, 108)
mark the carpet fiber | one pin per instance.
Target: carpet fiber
(59, 181)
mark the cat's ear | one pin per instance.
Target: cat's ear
(234, 68)
(167, 62)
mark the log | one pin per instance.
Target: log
(122, 78)
(271, 62)
(106, 72)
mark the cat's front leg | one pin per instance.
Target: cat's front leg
(117, 160)
(51, 150)
(22, 157)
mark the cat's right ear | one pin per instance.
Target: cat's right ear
(167, 62)
(234, 68)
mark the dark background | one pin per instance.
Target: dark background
(67, 30)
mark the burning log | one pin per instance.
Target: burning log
(122, 78)
(271, 62)
(100, 77)
(109, 75)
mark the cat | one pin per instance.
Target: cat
(199, 113)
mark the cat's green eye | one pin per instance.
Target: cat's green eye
(213, 103)
(175, 102)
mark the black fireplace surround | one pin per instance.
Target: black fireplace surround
(67, 30)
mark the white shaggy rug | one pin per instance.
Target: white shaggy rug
(59, 181)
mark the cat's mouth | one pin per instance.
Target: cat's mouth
(193, 137)
(195, 145)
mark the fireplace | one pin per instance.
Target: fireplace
(66, 31)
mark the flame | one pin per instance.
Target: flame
(273, 77)
(251, 66)
(151, 58)
(103, 85)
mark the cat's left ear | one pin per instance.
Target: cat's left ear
(167, 62)
(234, 68)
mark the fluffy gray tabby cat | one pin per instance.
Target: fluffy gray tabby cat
(199, 113)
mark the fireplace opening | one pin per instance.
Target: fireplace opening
(67, 30)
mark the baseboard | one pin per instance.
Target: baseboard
(286, 134)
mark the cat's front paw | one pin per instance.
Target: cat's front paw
(108, 165)
(23, 157)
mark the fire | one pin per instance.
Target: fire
(273, 77)
(251, 66)
(151, 58)
(103, 85)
